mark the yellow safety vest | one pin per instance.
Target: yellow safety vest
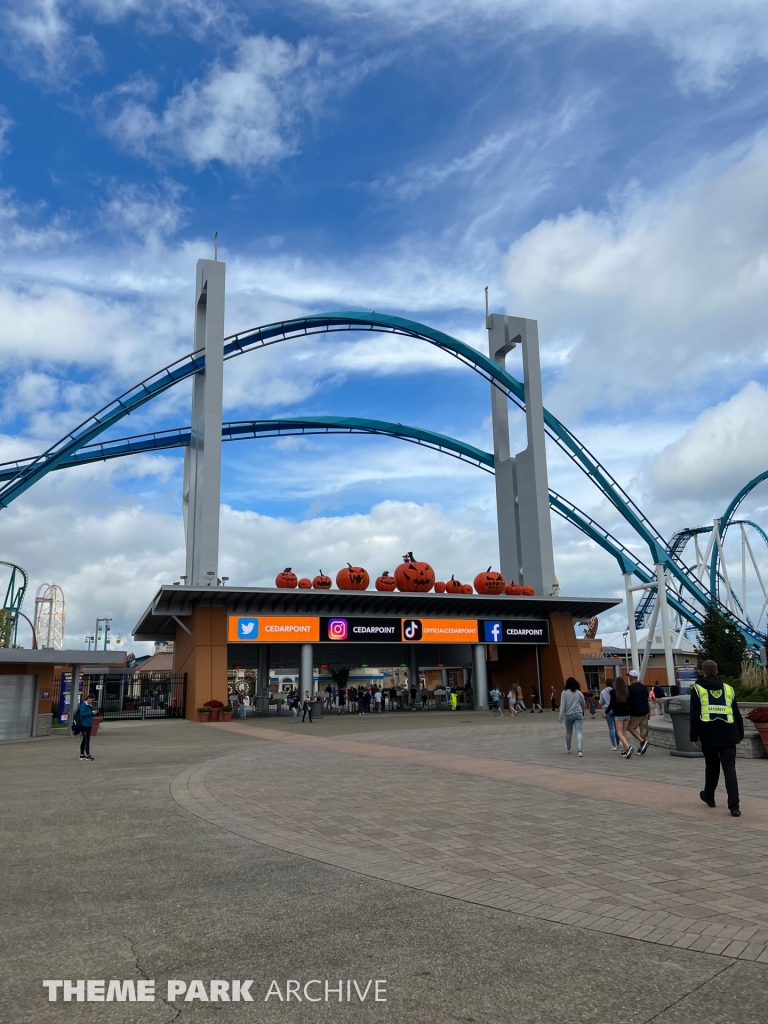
(717, 703)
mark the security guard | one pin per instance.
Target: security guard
(716, 721)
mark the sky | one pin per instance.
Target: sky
(599, 165)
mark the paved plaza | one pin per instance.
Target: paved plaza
(485, 873)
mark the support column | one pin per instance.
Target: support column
(522, 486)
(262, 679)
(480, 684)
(202, 459)
(306, 674)
(201, 652)
(413, 671)
(74, 697)
(631, 621)
(661, 599)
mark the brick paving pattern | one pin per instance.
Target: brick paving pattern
(506, 820)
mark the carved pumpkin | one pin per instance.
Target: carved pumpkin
(466, 588)
(322, 582)
(453, 586)
(513, 589)
(354, 577)
(489, 582)
(286, 580)
(528, 591)
(439, 587)
(305, 584)
(414, 577)
(386, 582)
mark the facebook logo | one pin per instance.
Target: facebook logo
(247, 629)
(493, 632)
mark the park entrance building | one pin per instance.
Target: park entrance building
(528, 640)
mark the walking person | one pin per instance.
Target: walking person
(717, 725)
(640, 710)
(535, 702)
(511, 700)
(342, 699)
(241, 705)
(84, 718)
(572, 713)
(619, 705)
(454, 699)
(519, 702)
(307, 707)
(424, 697)
(293, 704)
(553, 698)
(495, 698)
(605, 701)
(378, 699)
(592, 706)
(367, 702)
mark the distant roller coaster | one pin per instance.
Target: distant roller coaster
(684, 587)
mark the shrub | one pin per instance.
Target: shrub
(209, 704)
(758, 715)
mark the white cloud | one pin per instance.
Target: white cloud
(720, 452)
(42, 43)
(244, 115)
(709, 39)
(6, 123)
(659, 291)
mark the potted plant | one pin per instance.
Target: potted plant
(214, 707)
(203, 714)
(226, 713)
(759, 717)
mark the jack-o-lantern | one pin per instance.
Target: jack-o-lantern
(322, 582)
(286, 580)
(453, 586)
(439, 587)
(466, 588)
(305, 584)
(489, 582)
(354, 577)
(414, 577)
(513, 589)
(385, 582)
(528, 591)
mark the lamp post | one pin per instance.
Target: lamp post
(626, 651)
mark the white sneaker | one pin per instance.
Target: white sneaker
(580, 754)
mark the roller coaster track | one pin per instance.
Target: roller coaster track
(244, 429)
(260, 337)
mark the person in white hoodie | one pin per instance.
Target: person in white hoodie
(572, 713)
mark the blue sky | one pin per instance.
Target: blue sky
(600, 166)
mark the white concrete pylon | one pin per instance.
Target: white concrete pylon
(202, 459)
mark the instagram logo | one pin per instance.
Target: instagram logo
(337, 629)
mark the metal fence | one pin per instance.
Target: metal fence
(135, 695)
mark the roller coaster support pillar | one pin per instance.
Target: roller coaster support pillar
(631, 621)
(202, 459)
(666, 633)
(522, 487)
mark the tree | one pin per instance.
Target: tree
(339, 676)
(721, 641)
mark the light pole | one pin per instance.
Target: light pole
(626, 652)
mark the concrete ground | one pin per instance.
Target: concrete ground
(487, 875)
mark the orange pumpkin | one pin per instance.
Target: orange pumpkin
(528, 591)
(385, 582)
(286, 580)
(322, 582)
(513, 589)
(466, 588)
(354, 577)
(440, 587)
(489, 582)
(453, 586)
(305, 584)
(414, 577)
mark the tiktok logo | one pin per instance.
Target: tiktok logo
(412, 629)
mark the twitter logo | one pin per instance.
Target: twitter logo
(247, 629)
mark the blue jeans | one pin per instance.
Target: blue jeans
(574, 722)
(612, 730)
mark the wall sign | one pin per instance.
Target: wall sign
(265, 629)
(514, 631)
(361, 629)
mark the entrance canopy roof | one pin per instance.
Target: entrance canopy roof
(173, 603)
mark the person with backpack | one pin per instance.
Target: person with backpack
(619, 707)
(83, 721)
(307, 707)
(717, 725)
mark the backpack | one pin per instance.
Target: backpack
(76, 726)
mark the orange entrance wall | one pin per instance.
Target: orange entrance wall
(203, 656)
(562, 657)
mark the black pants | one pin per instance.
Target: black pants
(713, 758)
(85, 742)
(307, 711)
